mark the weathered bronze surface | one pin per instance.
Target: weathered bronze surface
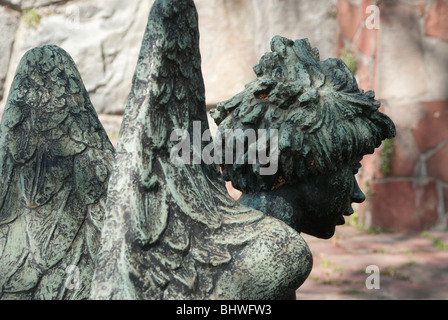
(172, 231)
(80, 220)
(325, 125)
(55, 162)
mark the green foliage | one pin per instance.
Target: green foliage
(31, 17)
(353, 221)
(326, 263)
(438, 243)
(332, 14)
(397, 271)
(386, 155)
(377, 230)
(425, 234)
(349, 59)
(368, 189)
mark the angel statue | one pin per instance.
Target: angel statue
(160, 230)
(171, 230)
(80, 220)
(55, 162)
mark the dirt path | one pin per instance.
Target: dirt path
(410, 266)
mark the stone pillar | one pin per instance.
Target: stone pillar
(405, 60)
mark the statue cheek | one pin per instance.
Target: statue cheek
(342, 191)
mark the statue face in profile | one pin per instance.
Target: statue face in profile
(326, 199)
(324, 125)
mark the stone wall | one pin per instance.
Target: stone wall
(405, 61)
(104, 39)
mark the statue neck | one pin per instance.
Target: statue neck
(282, 204)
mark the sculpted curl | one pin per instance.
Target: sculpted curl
(322, 117)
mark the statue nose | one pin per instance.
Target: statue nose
(357, 195)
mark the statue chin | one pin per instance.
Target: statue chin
(321, 232)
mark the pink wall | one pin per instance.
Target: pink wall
(405, 61)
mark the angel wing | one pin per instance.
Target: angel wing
(172, 231)
(55, 160)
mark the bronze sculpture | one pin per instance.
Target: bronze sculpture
(325, 126)
(55, 162)
(168, 229)
(173, 230)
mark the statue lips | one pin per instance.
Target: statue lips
(350, 212)
(341, 221)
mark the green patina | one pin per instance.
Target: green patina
(79, 219)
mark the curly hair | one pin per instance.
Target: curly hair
(323, 119)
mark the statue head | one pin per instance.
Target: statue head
(323, 124)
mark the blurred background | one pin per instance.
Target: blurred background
(397, 48)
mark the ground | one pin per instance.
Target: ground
(410, 265)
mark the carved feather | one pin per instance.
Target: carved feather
(55, 160)
(171, 230)
(163, 211)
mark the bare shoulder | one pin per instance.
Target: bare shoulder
(273, 264)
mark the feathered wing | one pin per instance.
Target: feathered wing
(55, 162)
(171, 230)
(159, 214)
